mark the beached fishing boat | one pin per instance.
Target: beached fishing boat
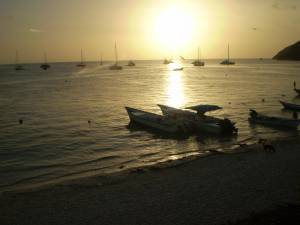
(116, 66)
(281, 122)
(198, 62)
(45, 65)
(199, 121)
(290, 106)
(155, 121)
(227, 61)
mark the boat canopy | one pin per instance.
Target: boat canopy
(204, 108)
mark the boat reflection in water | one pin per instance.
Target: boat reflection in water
(175, 91)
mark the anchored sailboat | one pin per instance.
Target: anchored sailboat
(198, 62)
(101, 63)
(227, 61)
(116, 66)
(81, 64)
(45, 65)
(17, 65)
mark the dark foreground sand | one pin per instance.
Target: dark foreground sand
(218, 189)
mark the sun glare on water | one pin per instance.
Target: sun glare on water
(174, 28)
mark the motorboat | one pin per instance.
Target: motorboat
(290, 106)
(281, 122)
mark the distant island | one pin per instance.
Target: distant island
(291, 52)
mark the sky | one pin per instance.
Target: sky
(145, 29)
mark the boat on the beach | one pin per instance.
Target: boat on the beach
(17, 65)
(199, 121)
(290, 106)
(156, 121)
(198, 61)
(258, 118)
(131, 63)
(81, 64)
(227, 61)
(45, 65)
(116, 66)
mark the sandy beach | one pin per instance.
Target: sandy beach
(217, 189)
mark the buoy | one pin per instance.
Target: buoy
(89, 121)
(20, 121)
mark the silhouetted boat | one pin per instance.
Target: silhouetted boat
(290, 106)
(198, 62)
(227, 61)
(273, 121)
(116, 66)
(167, 61)
(17, 65)
(81, 64)
(297, 91)
(200, 122)
(131, 63)
(45, 65)
(178, 69)
(153, 120)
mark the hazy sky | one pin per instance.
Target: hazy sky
(145, 29)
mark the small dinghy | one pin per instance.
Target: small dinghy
(156, 121)
(290, 106)
(257, 118)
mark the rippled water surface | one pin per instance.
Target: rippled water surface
(56, 142)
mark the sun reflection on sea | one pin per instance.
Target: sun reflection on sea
(175, 93)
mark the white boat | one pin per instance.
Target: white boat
(155, 121)
(116, 66)
(45, 65)
(178, 69)
(227, 61)
(81, 64)
(258, 118)
(198, 62)
(17, 65)
(290, 106)
(200, 122)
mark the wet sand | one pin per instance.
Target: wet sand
(217, 189)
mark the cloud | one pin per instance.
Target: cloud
(284, 6)
(33, 30)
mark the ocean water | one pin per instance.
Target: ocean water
(56, 142)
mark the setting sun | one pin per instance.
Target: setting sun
(174, 28)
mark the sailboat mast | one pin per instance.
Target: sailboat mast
(198, 53)
(116, 53)
(81, 57)
(45, 57)
(228, 52)
(17, 57)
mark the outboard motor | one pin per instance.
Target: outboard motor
(228, 126)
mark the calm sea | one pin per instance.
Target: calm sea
(56, 142)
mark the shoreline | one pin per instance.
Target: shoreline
(202, 190)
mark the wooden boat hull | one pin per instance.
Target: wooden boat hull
(290, 106)
(153, 120)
